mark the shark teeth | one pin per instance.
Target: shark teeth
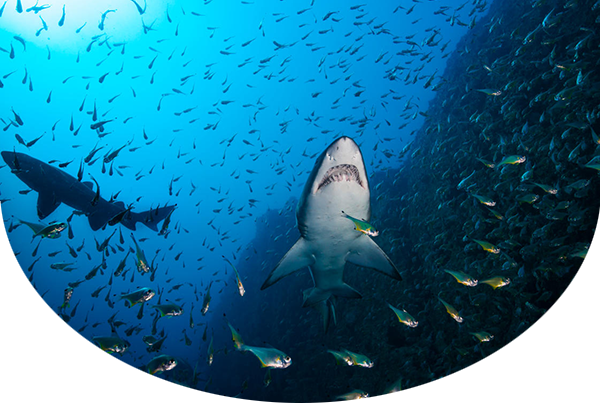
(341, 173)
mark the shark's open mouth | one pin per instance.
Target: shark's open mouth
(341, 173)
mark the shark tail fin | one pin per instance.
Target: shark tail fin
(150, 218)
(366, 253)
(295, 259)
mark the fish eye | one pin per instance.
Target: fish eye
(287, 359)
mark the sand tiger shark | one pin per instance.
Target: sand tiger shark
(54, 187)
(338, 183)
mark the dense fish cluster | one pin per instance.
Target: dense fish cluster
(202, 120)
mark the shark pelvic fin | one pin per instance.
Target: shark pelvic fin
(366, 253)
(327, 311)
(297, 258)
(46, 204)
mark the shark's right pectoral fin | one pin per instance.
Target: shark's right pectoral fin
(366, 253)
(46, 204)
(298, 257)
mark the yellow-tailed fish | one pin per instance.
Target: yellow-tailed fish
(486, 163)
(206, 300)
(52, 230)
(341, 357)
(547, 188)
(359, 360)
(484, 200)
(362, 226)
(237, 276)
(571, 349)
(404, 317)
(169, 310)
(393, 392)
(355, 394)
(462, 278)
(161, 363)
(111, 344)
(528, 198)
(138, 297)
(67, 297)
(140, 258)
(588, 254)
(490, 92)
(519, 379)
(496, 282)
(211, 352)
(482, 336)
(452, 311)
(496, 214)
(488, 247)
(564, 317)
(268, 357)
(512, 160)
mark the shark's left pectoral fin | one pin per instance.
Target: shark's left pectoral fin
(46, 204)
(366, 253)
(298, 257)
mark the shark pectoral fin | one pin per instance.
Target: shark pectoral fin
(46, 204)
(98, 218)
(295, 259)
(366, 253)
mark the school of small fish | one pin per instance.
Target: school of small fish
(487, 211)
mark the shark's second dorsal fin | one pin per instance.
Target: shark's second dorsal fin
(298, 257)
(46, 204)
(366, 253)
(88, 184)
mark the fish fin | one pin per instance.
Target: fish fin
(88, 184)
(344, 290)
(327, 312)
(150, 218)
(237, 339)
(295, 259)
(46, 204)
(366, 253)
(315, 296)
(98, 219)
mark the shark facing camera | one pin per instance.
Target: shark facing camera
(338, 183)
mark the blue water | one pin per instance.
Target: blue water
(222, 107)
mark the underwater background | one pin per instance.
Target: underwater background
(233, 152)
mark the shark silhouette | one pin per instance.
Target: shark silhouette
(55, 187)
